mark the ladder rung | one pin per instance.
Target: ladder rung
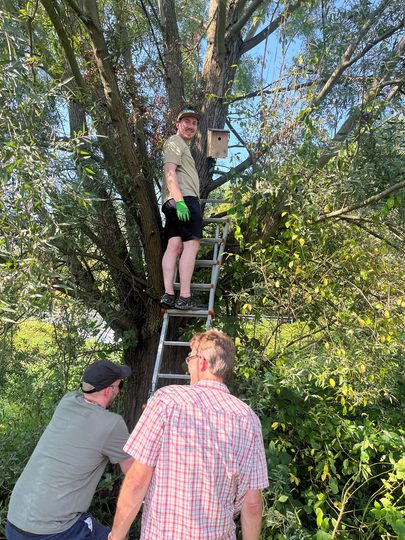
(215, 220)
(197, 286)
(173, 376)
(177, 343)
(211, 241)
(187, 313)
(205, 263)
(215, 201)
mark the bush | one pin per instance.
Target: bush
(335, 459)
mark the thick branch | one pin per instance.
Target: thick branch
(173, 62)
(113, 260)
(272, 27)
(350, 121)
(227, 176)
(136, 189)
(240, 23)
(347, 55)
(87, 291)
(366, 202)
(371, 232)
(109, 239)
(220, 30)
(54, 16)
(375, 42)
(238, 136)
(78, 11)
(290, 88)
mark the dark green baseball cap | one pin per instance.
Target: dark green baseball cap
(188, 112)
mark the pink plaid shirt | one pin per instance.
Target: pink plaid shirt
(207, 449)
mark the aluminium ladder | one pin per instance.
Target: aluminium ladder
(218, 242)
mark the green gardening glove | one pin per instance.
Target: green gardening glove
(183, 213)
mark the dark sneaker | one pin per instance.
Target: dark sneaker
(167, 301)
(189, 303)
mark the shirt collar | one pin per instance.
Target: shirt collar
(213, 384)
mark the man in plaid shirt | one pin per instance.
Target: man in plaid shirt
(199, 457)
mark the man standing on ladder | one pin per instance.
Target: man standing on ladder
(181, 206)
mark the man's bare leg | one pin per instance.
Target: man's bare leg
(186, 266)
(169, 262)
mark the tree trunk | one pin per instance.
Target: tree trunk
(222, 55)
(141, 359)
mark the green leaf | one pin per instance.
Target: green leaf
(322, 535)
(400, 468)
(399, 527)
(319, 516)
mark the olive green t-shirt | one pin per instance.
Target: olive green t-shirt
(177, 151)
(60, 478)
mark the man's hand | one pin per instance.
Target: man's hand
(183, 213)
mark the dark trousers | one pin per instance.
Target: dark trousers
(85, 528)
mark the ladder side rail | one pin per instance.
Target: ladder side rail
(215, 250)
(216, 268)
(223, 244)
(214, 279)
(159, 354)
(215, 274)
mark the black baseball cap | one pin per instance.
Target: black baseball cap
(102, 374)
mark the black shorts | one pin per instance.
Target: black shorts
(187, 230)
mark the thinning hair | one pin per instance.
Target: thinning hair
(218, 349)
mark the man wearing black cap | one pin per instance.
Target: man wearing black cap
(181, 206)
(52, 496)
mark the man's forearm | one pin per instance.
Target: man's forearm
(251, 516)
(173, 184)
(251, 527)
(132, 493)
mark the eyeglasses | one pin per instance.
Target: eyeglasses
(190, 356)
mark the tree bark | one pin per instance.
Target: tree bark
(141, 359)
(173, 62)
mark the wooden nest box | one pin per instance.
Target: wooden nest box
(217, 145)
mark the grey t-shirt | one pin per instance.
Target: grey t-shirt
(177, 151)
(60, 478)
